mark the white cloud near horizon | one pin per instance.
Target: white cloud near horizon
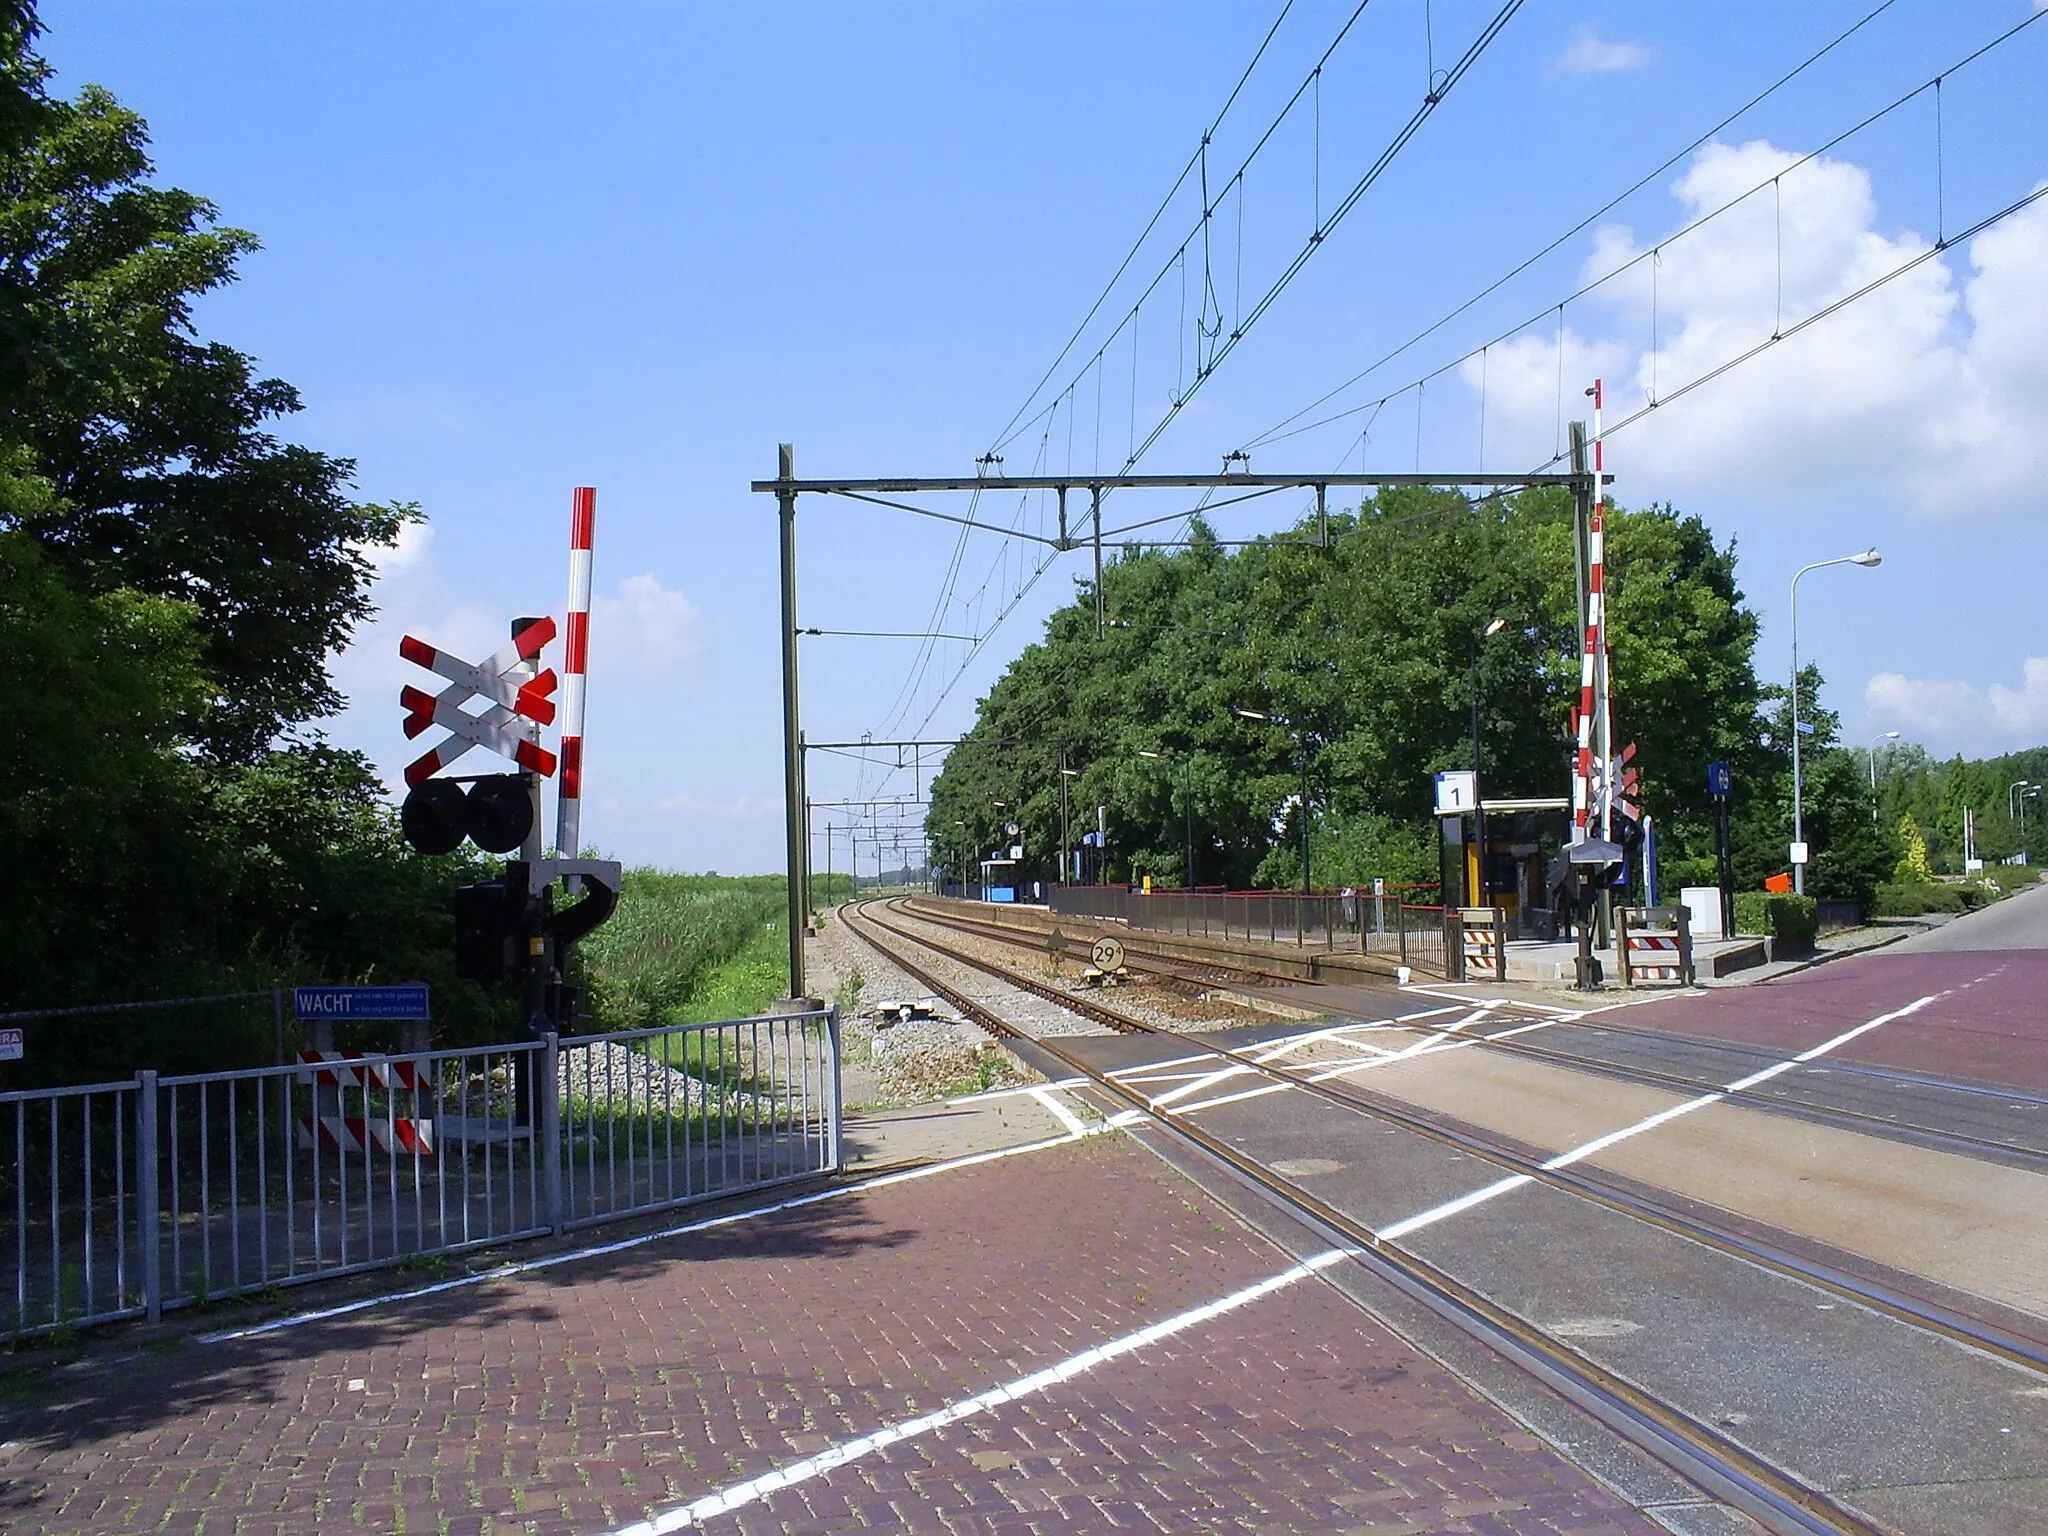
(1589, 54)
(738, 808)
(1930, 390)
(1950, 712)
(642, 634)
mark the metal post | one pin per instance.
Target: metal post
(1478, 789)
(1187, 787)
(547, 1125)
(1095, 513)
(792, 770)
(277, 1023)
(1798, 820)
(1301, 742)
(148, 1215)
(834, 1130)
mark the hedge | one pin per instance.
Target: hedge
(1787, 918)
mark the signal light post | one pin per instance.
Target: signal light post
(507, 930)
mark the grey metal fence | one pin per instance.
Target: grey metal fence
(1377, 925)
(126, 1198)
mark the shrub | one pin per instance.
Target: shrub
(1790, 919)
(1915, 899)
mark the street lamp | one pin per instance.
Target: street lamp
(2011, 794)
(1887, 736)
(1478, 796)
(1867, 558)
(1301, 750)
(1187, 798)
(1066, 829)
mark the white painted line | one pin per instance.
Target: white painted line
(1650, 1122)
(1060, 1112)
(1011, 1093)
(553, 1260)
(756, 1489)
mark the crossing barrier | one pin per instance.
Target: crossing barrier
(1655, 944)
(1483, 943)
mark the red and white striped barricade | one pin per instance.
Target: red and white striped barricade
(361, 1133)
(575, 668)
(1655, 944)
(1482, 943)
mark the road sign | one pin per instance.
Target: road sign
(408, 1001)
(1108, 954)
(10, 1045)
(1799, 853)
(1720, 780)
(1457, 792)
(502, 728)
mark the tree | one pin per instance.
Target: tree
(157, 471)
(1365, 655)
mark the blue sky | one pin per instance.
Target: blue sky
(514, 248)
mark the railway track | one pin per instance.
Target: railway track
(1194, 981)
(1698, 1451)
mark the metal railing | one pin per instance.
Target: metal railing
(1361, 921)
(126, 1198)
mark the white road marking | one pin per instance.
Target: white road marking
(1011, 1093)
(756, 1489)
(1565, 1159)
(1060, 1112)
(550, 1261)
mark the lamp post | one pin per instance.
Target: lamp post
(1867, 558)
(1478, 794)
(2011, 795)
(1066, 773)
(1301, 750)
(1887, 736)
(1187, 800)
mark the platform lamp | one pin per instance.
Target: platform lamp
(1869, 557)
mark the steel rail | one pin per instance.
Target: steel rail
(1949, 1140)
(1916, 1312)
(1695, 1451)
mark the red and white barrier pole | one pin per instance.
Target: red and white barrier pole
(1593, 656)
(569, 794)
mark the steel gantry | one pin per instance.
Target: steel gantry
(786, 488)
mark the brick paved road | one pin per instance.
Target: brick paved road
(1992, 1026)
(590, 1394)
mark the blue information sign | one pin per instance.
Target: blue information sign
(401, 1002)
(1719, 780)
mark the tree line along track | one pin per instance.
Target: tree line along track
(1171, 974)
(1697, 1452)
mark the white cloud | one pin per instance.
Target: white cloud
(1590, 54)
(645, 625)
(1956, 716)
(1931, 388)
(738, 808)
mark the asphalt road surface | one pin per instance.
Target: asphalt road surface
(2019, 922)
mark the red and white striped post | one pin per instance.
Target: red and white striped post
(1593, 707)
(576, 646)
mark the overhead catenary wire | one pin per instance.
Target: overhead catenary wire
(1277, 434)
(1271, 434)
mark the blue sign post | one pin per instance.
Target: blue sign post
(328, 1004)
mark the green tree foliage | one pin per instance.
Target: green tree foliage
(1913, 867)
(173, 579)
(157, 471)
(1367, 656)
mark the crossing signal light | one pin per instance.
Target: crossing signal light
(496, 813)
(491, 920)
